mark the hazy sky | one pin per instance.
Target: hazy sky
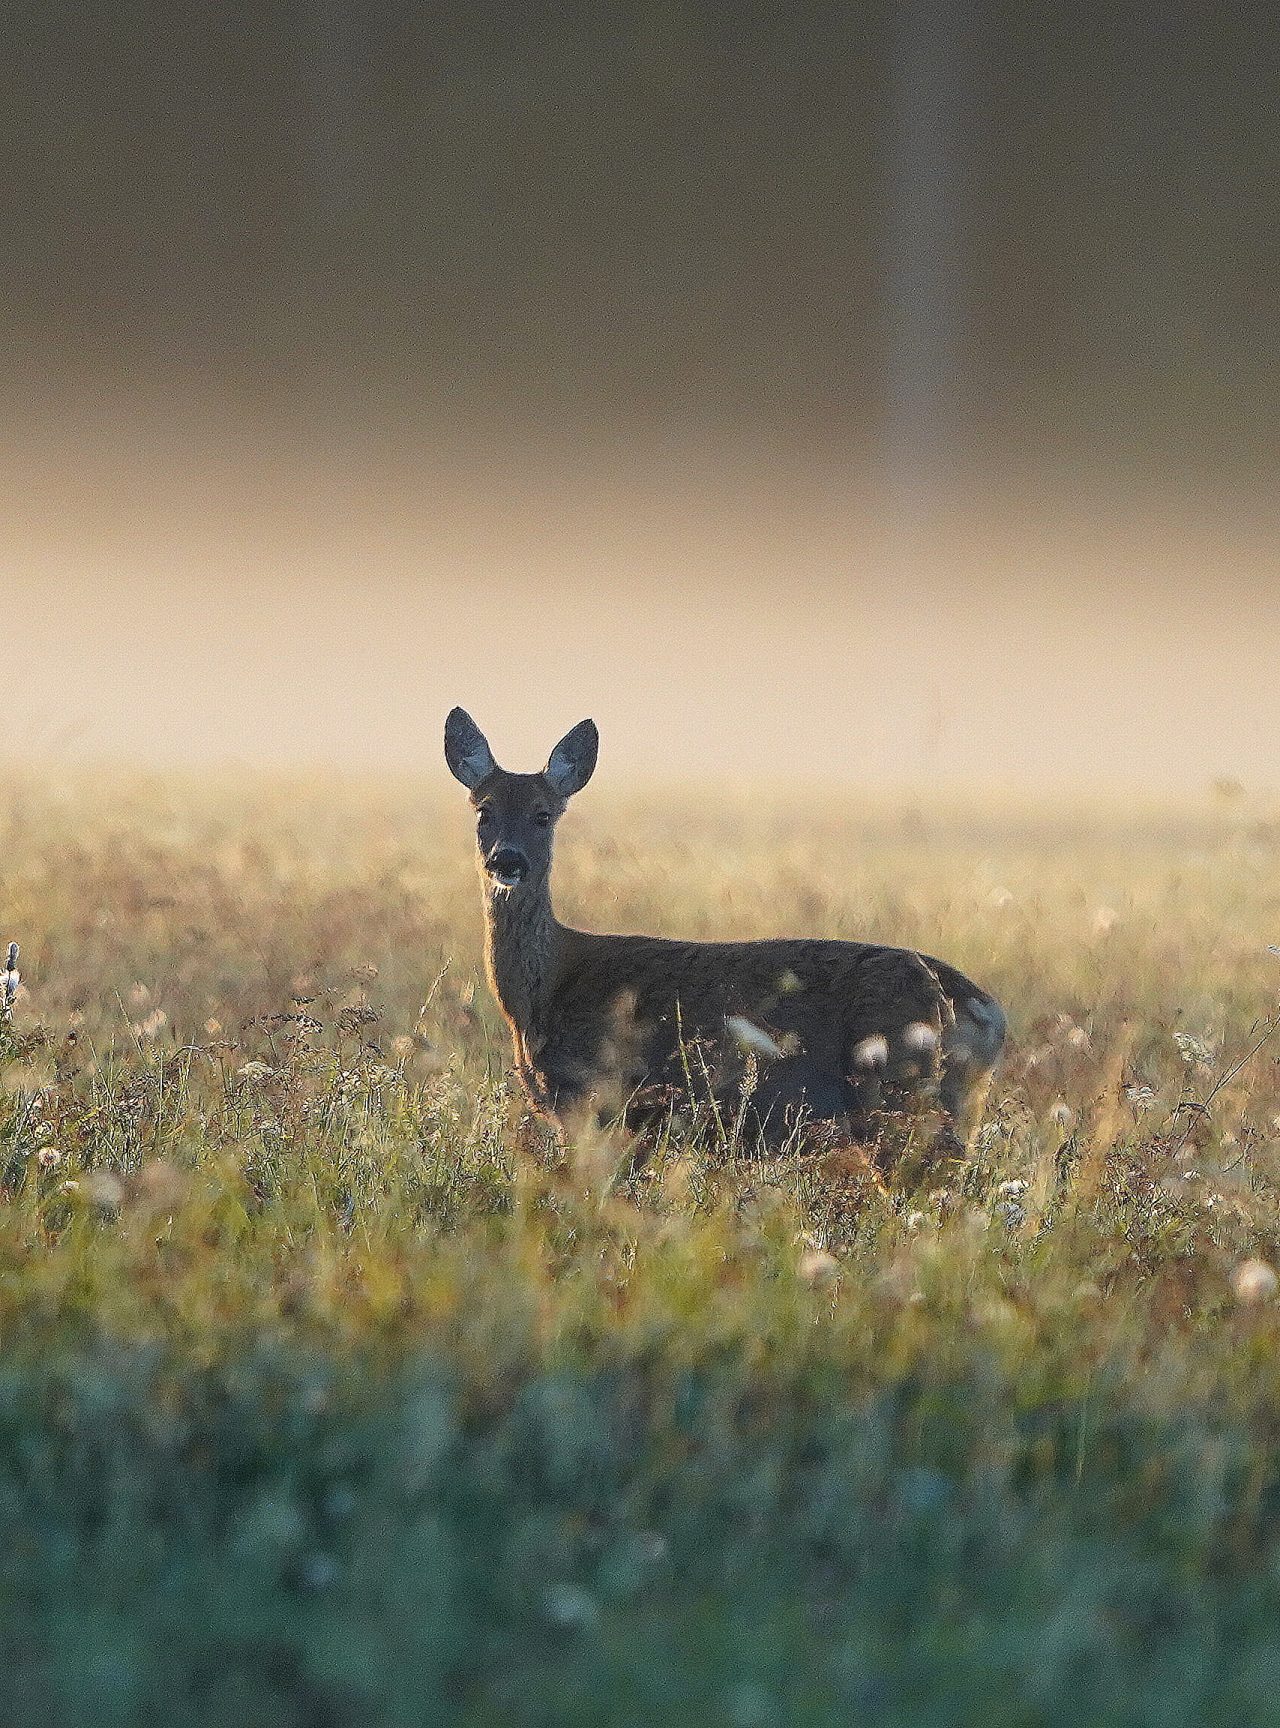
(715, 615)
(886, 391)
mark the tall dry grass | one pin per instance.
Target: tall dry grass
(296, 1312)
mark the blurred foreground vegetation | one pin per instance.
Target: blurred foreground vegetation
(330, 1394)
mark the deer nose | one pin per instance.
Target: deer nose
(508, 865)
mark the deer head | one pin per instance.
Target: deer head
(516, 814)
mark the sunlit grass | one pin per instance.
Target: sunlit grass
(330, 1391)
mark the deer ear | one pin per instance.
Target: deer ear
(572, 762)
(466, 749)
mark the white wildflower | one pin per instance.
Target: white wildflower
(920, 1036)
(105, 1189)
(748, 1036)
(749, 1706)
(1193, 1050)
(1253, 1281)
(568, 1606)
(318, 1572)
(651, 1546)
(872, 1052)
(818, 1268)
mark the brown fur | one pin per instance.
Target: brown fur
(629, 1025)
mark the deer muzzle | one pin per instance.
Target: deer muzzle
(507, 865)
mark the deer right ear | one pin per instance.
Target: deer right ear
(466, 749)
(572, 762)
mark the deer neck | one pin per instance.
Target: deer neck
(522, 952)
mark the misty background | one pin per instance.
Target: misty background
(886, 392)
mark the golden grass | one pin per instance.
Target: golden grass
(286, 954)
(306, 1335)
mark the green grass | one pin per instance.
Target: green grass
(329, 1394)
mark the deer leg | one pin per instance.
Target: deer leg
(894, 1062)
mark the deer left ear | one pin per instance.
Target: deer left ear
(572, 762)
(466, 749)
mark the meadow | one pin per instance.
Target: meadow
(330, 1392)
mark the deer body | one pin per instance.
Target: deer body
(788, 1031)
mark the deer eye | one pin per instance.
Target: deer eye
(542, 818)
(483, 815)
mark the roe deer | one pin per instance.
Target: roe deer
(834, 1032)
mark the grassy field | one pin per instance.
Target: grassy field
(329, 1394)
